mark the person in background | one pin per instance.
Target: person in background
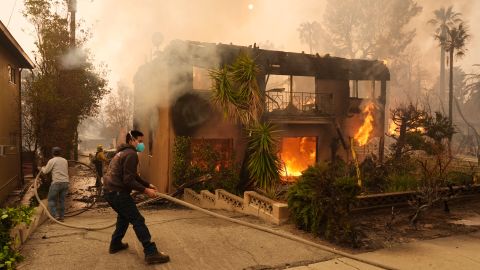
(58, 166)
(119, 181)
(98, 161)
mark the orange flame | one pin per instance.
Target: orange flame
(363, 134)
(297, 153)
(392, 129)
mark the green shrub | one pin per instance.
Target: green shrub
(9, 218)
(320, 202)
(193, 161)
(457, 178)
(373, 175)
(401, 182)
(181, 160)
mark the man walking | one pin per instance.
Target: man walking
(119, 181)
(58, 166)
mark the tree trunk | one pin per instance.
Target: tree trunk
(450, 90)
(450, 101)
(75, 145)
(442, 75)
(401, 139)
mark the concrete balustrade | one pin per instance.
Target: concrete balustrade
(252, 204)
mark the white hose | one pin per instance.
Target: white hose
(240, 222)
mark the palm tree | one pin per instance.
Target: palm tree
(444, 18)
(454, 43)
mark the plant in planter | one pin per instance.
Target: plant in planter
(9, 218)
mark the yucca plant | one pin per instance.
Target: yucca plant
(236, 91)
(223, 94)
(264, 164)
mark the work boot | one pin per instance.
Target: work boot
(156, 257)
(115, 249)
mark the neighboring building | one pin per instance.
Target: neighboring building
(12, 60)
(315, 101)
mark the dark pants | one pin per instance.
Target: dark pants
(99, 169)
(128, 212)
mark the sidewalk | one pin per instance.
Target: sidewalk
(456, 252)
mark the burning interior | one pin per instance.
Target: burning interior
(296, 154)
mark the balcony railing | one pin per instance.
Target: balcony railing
(299, 103)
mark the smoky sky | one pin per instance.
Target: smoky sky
(123, 29)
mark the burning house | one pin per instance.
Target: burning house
(324, 106)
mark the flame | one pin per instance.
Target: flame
(365, 131)
(297, 153)
(392, 128)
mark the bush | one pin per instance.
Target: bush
(401, 182)
(9, 218)
(320, 202)
(191, 162)
(459, 178)
(374, 175)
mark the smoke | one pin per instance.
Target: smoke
(74, 58)
(123, 33)
(123, 30)
(428, 47)
(164, 82)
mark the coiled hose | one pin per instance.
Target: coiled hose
(240, 222)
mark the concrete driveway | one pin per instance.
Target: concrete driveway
(192, 239)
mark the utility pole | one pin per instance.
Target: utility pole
(72, 8)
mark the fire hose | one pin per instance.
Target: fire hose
(194, 207)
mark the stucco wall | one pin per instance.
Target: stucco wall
(9, 125)
(155, 164)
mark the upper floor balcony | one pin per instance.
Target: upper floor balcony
(298, 107)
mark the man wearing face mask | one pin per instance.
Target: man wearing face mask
(119, 181)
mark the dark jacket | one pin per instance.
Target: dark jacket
(122, 172)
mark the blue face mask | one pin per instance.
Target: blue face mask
(140, 147)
